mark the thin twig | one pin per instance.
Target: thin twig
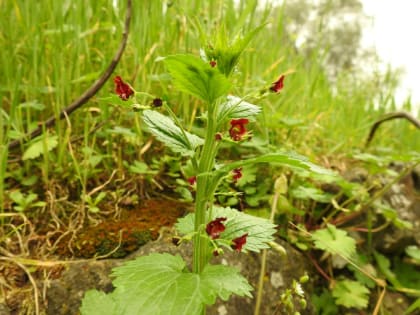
(264, 259)
(91, 91)
(390, 116)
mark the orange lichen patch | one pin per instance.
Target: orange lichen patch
(118, 238)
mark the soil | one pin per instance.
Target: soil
(116, 238)
(52, 250)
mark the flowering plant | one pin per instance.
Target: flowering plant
(162, 283)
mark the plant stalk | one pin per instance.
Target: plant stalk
(264, 259)
(203, 199)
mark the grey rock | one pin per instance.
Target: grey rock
(65, 294)
(405, 199)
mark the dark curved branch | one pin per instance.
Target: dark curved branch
(91, 91)
(390, 116)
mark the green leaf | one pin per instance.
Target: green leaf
(235, 107)
(260, 231)
(324, 303)
(413, 307)
(33, 105)
(170, 134)
(407, 274)
(225, 52)
(160, 284)
(363, 271)
(391, 214)
(351, 294)
(313, 193)
(139, 167)
(384, 265)
(196, 77)
(221, 281)
(334, 241)
(285, 158)
(37, 147)
(413, 251)
(17, 196)
(97, 303)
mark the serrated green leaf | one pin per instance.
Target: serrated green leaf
(260, 231)
(221, 281)
(313, 193)
(351, 294)
(235, 107)
(37, 147)
(226, 52)
(97, 303)
(196, 77)
(334, 241)
(160, 284)
(363, 271)
(170, 134)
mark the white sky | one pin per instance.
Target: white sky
(396, 36)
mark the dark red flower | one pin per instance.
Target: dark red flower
(215, 227)
(239, 242)
(237, 174)
(278, 85)
(218, 136)
(192, 180)
(237, 128)
(123, 90)
(176, 240)
(213, 63)
(157, 102)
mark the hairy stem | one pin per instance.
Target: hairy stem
(203, 198)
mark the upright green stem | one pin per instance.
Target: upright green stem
(205, 166)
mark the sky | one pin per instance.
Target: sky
(396, 24)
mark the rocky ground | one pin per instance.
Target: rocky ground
(61, 285)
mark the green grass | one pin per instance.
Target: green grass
(52, 52)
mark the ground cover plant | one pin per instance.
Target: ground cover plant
(101, 160)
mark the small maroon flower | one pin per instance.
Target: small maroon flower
(215, 227)
(237, 128)
(176, 240)
(192, 180)
(278, 85)
(123, 90)
(157, 102)
(218, 136)
(213, 63)
(237, 174)
(239, 242)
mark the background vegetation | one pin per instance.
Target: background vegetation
(51, 51)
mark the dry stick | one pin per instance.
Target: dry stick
(264, 259)
(391, 116)
(91, 91)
